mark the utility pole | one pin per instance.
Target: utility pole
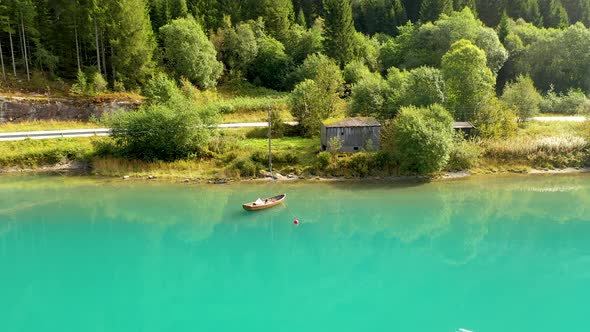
(269, 144)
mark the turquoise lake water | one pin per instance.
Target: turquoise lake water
(484, 254)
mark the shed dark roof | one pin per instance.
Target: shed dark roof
(463, 125)
(353, 122)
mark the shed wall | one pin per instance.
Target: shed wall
(354, 139)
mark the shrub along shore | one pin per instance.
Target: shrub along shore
(240, 154)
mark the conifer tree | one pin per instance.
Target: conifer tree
(340, 32)
(132, 41)
(525, 9)
(431, 9)
(301, 18)
(490, 11)
(503, 28)
(178, 8)
(556, 16)
(278, 17)
(413, 9)
(578, 11)
(458, 5)
(398, 15)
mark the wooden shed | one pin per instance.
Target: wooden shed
(466, 127)
(355, 134)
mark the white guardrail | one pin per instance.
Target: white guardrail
(18, 136)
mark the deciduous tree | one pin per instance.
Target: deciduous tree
(422, 138)
(522, 97)
(190, 53)
(469, 82)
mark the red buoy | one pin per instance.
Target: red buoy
(296, 221)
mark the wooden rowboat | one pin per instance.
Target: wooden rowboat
(265, 203)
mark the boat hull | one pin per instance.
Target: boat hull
(270, 202)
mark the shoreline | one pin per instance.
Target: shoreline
(85, 170)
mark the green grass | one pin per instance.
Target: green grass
(46, 125)
(137, 168)
(221, 165)
(304, 148)
(235, 89)
(36, 153)
(254, 116)
(537, 129)
(240, 102)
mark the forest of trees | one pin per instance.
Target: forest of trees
(120, 44)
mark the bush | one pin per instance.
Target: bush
(169, 128)
(81, 85)
(522, 96)
(355, 72)
(323, 160)
(161, 89)
(279, 158)
(422, 138)
(358, 164)
(99, 84)
(223, 142)
(246, 167)
(464, 155)
(574, 102)
(334, 145)
(381, 161)
(118, 86)
(259, 157)
(277, 124)
(495, 120)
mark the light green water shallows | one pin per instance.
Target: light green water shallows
(486, 254)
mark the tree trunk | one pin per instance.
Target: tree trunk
(113, 63)
(22, 23)
(2, 60)
(77, 47)
(22, 43)
(97, 46)
(104, 62)
(11, 49)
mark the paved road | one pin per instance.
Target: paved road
(22, 135)
(16, 136)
